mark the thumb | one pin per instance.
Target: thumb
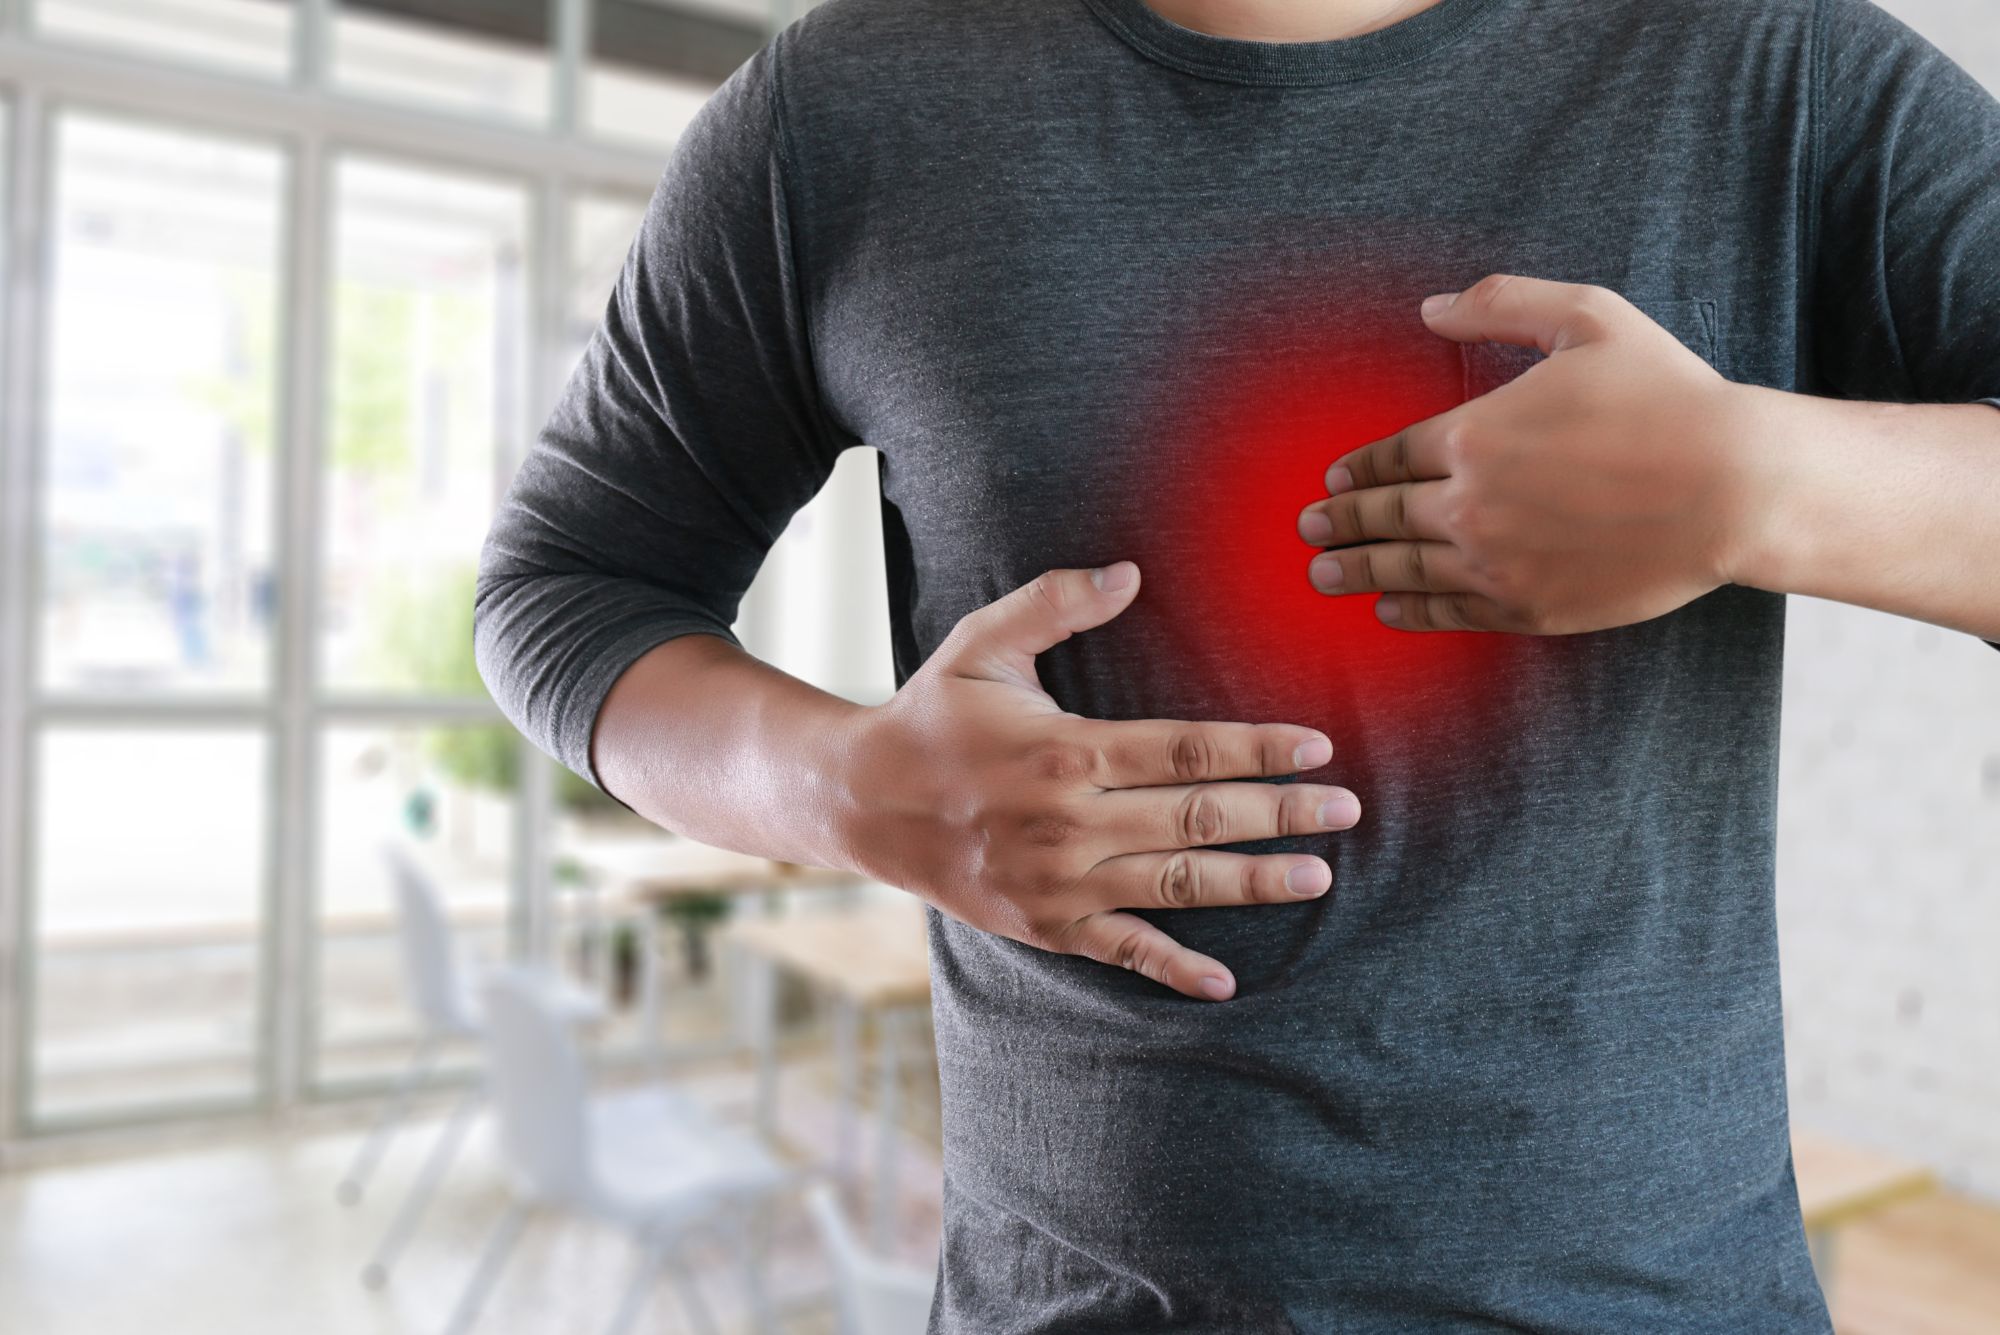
(1526, 312)
(1003, 638)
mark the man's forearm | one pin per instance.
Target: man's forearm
(706, 740)
(1889, 506)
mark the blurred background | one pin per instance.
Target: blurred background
(287, 287)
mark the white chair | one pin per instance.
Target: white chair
(874, 1296)
(447, 1010)
(648, 1163)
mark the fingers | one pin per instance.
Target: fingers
(1398, 510)
(1442, 611)
(1145, 752)
(1203, 878)
(1001, 640)
(1414, 454)
(1128, 942)
(1526, 312)
(1382, 567)
(1195, 815)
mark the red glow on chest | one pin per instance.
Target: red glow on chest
(1227, 570)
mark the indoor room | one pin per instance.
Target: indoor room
(332, 1002)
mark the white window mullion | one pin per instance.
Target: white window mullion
(300, 477)
(27, 253)
(534, 851)
(312, 37)
(572, 22)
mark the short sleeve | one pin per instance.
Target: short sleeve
(683, 443)
(1906, 287)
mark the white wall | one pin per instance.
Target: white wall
(1889, 846)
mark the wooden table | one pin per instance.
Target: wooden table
(869, 959)
(654, 869)
(660, 867)
(1840, 1183)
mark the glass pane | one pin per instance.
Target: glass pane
(157, 563)
(430, 328)
(446, 794)
(148, 917)
(640, 106)
(601, 228)
(486, 60)
(248, 36)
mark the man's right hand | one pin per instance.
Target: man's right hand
(974, 790)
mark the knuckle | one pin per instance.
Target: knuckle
(1419, 567)
(1456, 611)
(1191, 755)
(1399, 510)
(1199, 819)
(1454, 445)
(1399, 453)
(1252, 886)
(1063, 762)
(1488, 289)
(1180, 882)
(1536, 621)
(1049, 828)
(1045, 591)
(1368, 577)
(1057, 937)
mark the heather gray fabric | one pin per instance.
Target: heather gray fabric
(1522, 1069)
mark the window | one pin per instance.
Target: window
(156, 536)
(148, 908)
(289, 347)
(489, 60)
(429, 360)
(445, 793)
(601, 230)
(246, 36)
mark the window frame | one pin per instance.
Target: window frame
(313, 124)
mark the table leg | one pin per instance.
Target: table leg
(1820, 1241)
(847, 1059)
(889, 1096)
(649, 994)
(761, 1002)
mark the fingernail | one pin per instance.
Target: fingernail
(1326, 573)
(1337, 813)
(1315, 528)
(1389, 609)
(1308, 880)
(1439, 303)
(1216, 988)
(1313, 752)
(1339, 479)
(1112, 578)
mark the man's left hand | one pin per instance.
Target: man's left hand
(1606, 485)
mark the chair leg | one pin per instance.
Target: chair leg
(645, 1271)
(444, 1152)
(699, 1317)
(492, 1259)
(355, 1180)
(752, 1230)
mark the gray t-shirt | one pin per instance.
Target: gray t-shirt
(1098, 286)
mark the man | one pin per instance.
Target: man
(1581, 331)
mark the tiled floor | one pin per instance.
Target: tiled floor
(245, 1239)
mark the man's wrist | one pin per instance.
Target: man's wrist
(1760, 431)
